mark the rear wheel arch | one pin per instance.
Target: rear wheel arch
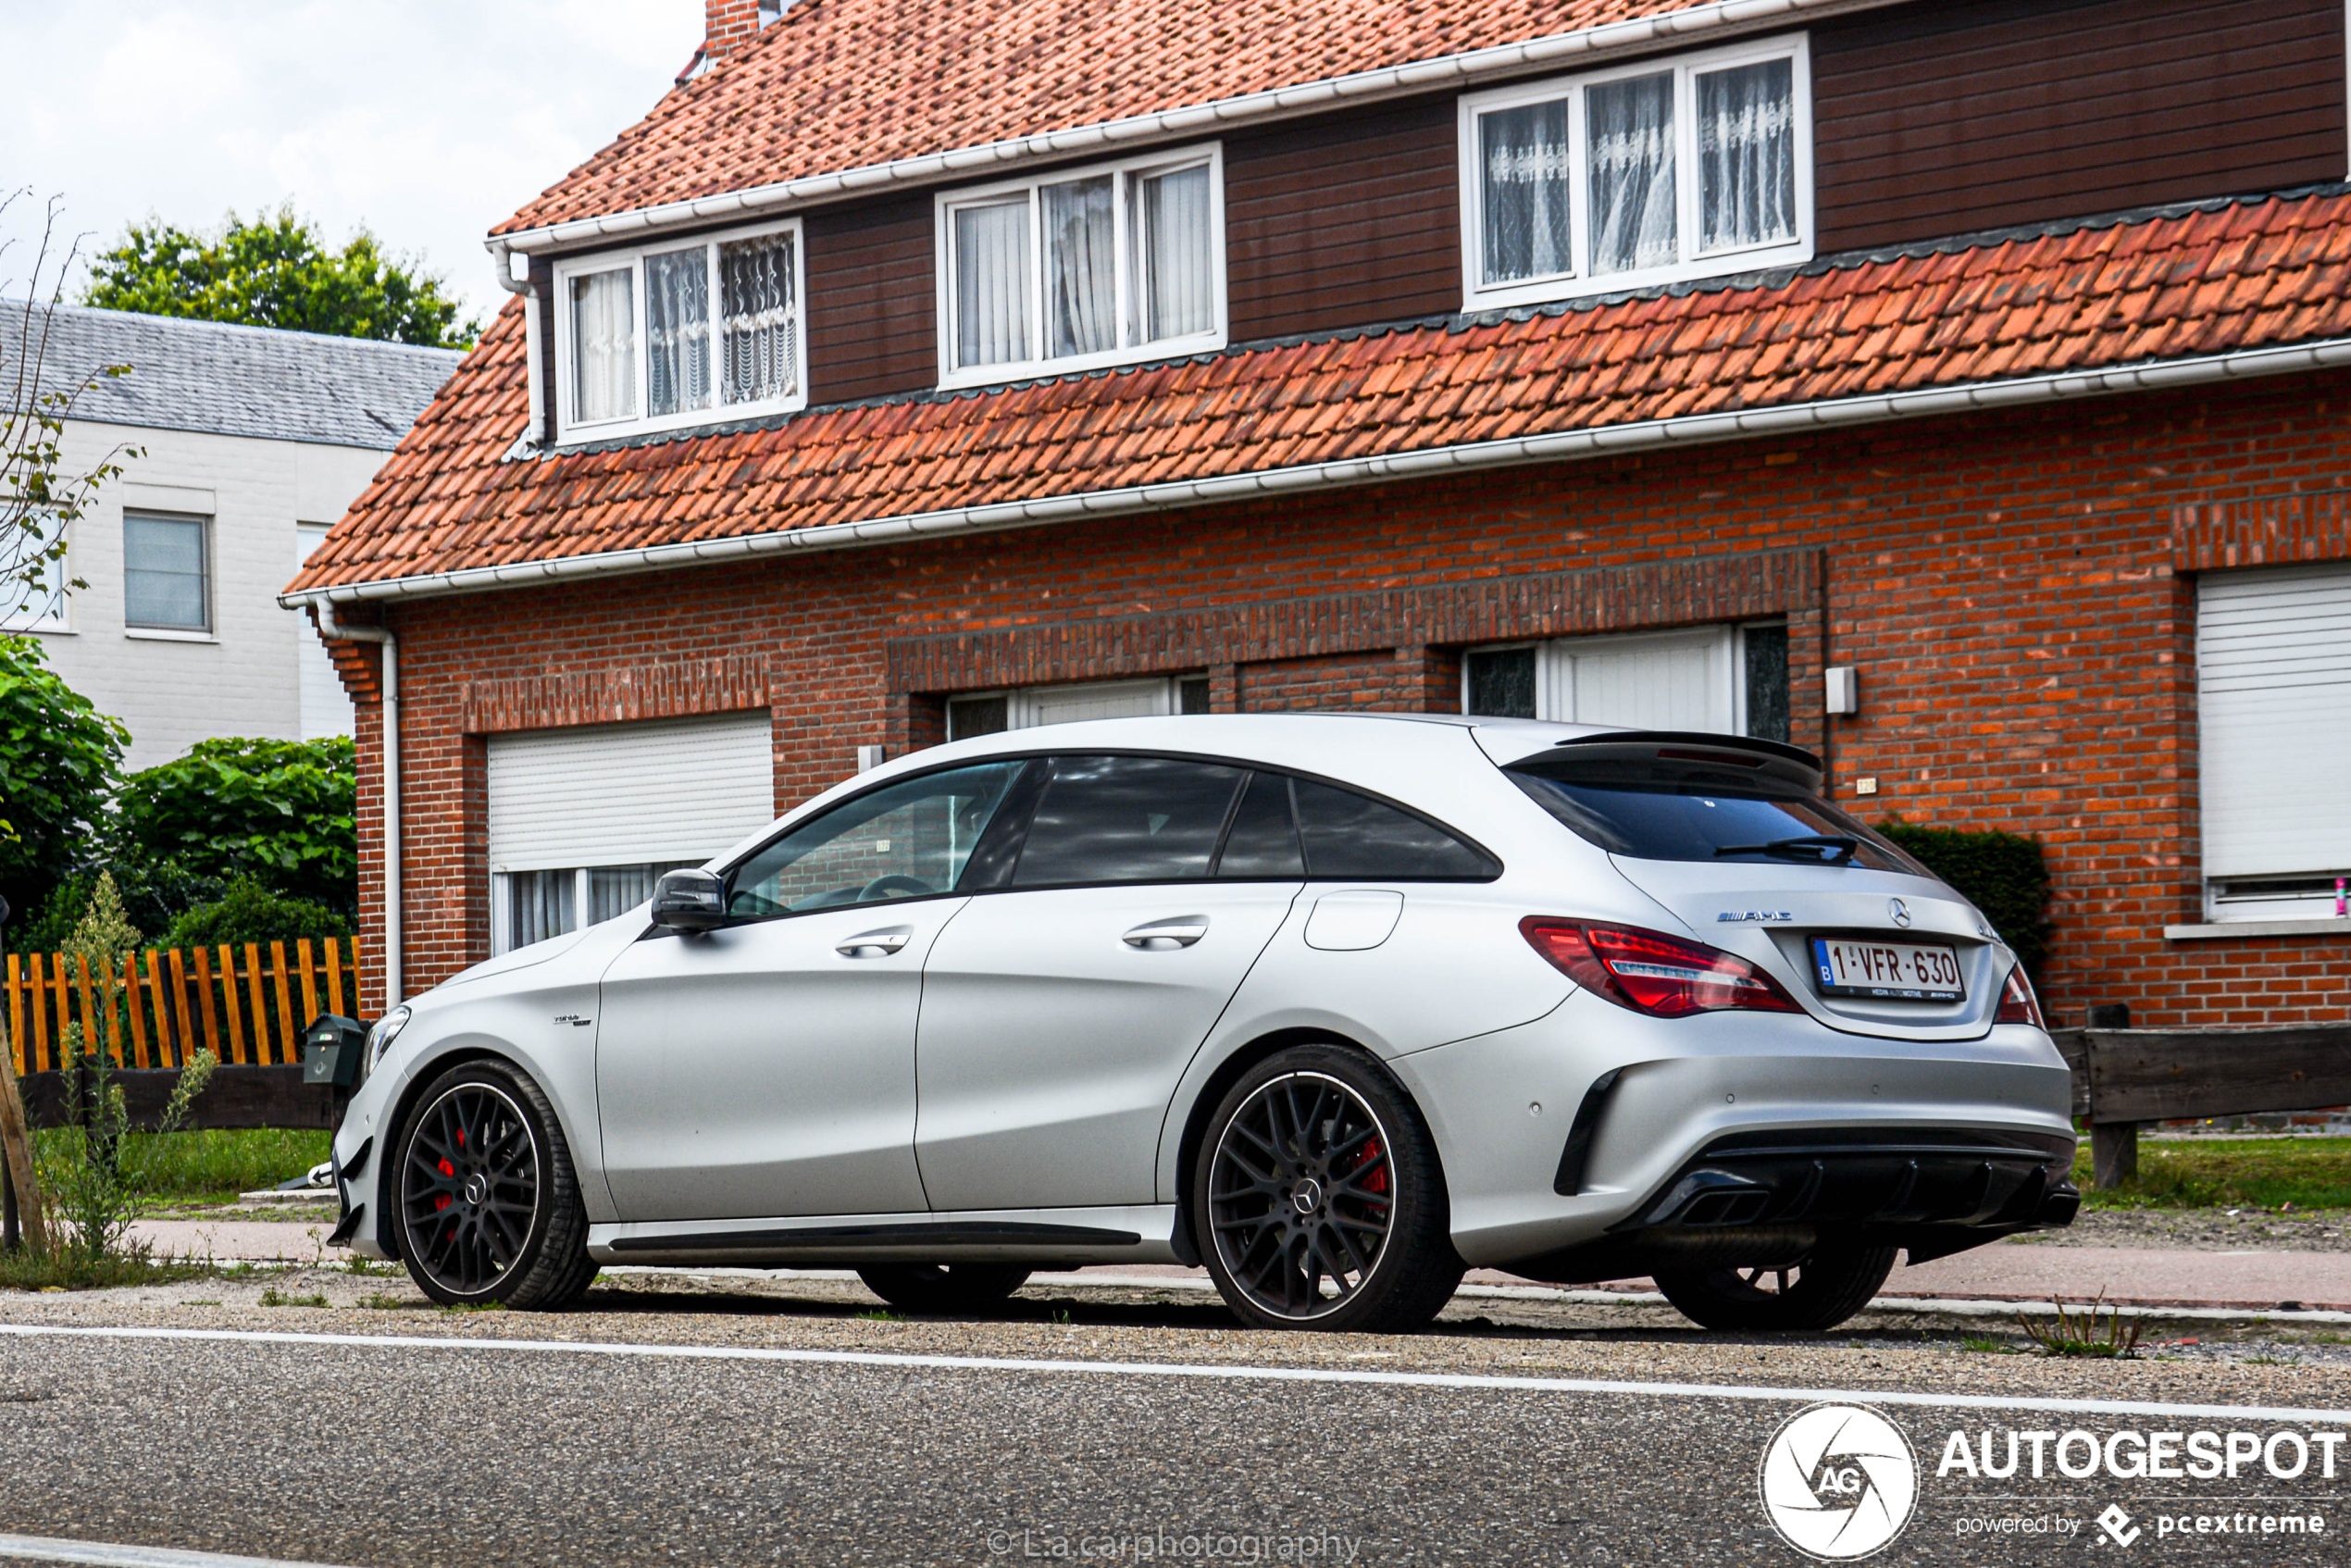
(1231, 1071)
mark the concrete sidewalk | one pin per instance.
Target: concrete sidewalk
(2252, 1281)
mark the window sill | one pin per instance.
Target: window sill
(38, 631)
(1011, 373)
(2329, 926)
(165, 634)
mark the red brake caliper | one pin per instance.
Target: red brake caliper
(1377, 1181)
(451, 1171)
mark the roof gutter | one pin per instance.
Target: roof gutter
(1688, 431)
(1722, 18)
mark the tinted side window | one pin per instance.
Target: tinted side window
(903, 841)
(1350, 836)
(1126, 819)
(1263, 841)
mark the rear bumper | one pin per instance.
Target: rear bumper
(1770, 1197)
(1735, 1128)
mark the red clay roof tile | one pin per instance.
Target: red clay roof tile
(840, 84)
(2159, 287)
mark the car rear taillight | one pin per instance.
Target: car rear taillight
(2018, 1004)
(1649, 972)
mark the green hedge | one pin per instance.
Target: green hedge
(2004, 875)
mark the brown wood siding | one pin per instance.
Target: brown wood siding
(1946, 118)
(873, 325)
(1343, 220)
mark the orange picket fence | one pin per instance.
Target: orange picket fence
(243, 1003)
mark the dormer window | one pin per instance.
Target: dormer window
(679, 334)
(1082, 268)
(1647, 174)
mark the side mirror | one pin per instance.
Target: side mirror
(689, 900)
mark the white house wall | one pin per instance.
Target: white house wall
(245, 678)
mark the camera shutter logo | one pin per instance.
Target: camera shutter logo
(1838, 1482)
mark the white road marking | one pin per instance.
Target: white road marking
(109, 1554)
(1474, 1382)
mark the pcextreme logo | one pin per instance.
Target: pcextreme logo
(1838, 1482)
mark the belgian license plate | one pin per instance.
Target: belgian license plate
(1890, 971)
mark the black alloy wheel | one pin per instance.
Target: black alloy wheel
(943, 1288)
(1321, 1200)
(490, 1210)
(1820, 1290)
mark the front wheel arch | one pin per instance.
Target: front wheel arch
(395, 1127)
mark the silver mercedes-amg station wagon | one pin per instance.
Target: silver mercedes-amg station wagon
(1334, 1006)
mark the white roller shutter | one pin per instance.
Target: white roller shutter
(1665, 680)
(619, 794)
(2274, 681)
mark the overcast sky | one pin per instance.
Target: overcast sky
(426, 120)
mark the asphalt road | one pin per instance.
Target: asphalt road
(691, 1435)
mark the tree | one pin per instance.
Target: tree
(276, 271)
(58, 762)
(40, 496)
(284, 813)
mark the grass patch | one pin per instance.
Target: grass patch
(28, 1270)
(1985, 1346)
(2257, 1173)
(214, 1165)
(2067, 1335)
(881, 1314)
(376, 1301)
(273, 1297)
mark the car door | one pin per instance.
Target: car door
(767, 1068)
(1059, 1012)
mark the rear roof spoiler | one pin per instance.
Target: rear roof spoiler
(1775, 758)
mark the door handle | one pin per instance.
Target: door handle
(1160, 935)
(874, 944)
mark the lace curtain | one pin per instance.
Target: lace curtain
(603, 338)
(1746, 155)
(1524, 154)
(1177, 295)
(678, 331)
(1081, 261)
(758, 325)
(991, 283)
(1629, 127)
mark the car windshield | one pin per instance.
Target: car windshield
(1658, 809)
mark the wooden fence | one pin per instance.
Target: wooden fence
(2123, 1077)
(244, 1003)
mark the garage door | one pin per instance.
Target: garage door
(582, 820)
(2273, 679)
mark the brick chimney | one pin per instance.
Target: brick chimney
(727, 26)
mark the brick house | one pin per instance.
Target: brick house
(1956, 388)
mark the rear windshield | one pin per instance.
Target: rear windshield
(1656, 809)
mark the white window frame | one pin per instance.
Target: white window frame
(1552, 655)
(58, 620)
(570, 429)
(208, 538)
(1478, 296)
(951, 376)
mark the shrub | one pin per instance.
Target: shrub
(58, 761)
(155, 895)
(251, 913)
(94, 1182)
(2004, 875)
(281, 812)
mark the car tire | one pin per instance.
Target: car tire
(1830, 1285)
(1318, 1200)
(487, 1202)
(945, 1289)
